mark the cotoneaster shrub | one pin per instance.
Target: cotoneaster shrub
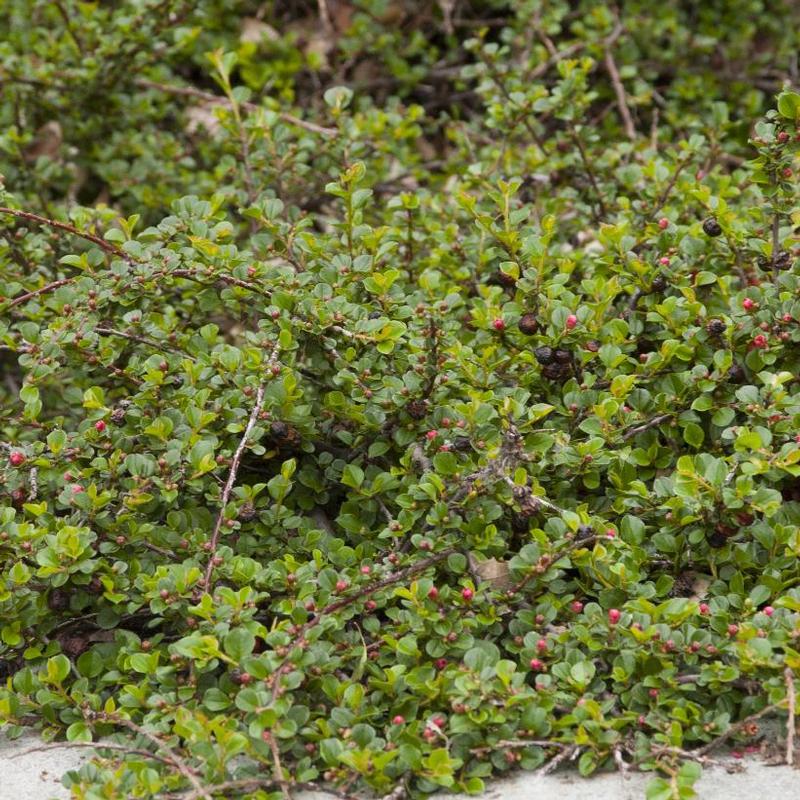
(391, 409)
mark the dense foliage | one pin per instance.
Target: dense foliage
(395, 394)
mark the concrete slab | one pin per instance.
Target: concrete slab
(37, 775)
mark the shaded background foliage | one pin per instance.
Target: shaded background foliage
(395, 393)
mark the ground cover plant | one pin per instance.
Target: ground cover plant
(398, 394)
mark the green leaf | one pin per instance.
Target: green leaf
(693, 435)
(57, 668)
(789, 105)
(79, 732)
(353, 476)
(56, 440)
(239, 643)
(659, 789)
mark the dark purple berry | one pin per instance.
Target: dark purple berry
(528, 324)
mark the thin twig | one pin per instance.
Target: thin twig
(645, 426)
(33, 481)
(790, 724)
(162, 551)
(620, 762)
(276, 760)
(229, 279)
(187, 91)
(325, 19)
(92, 746)
(50, 287)
(344, 602)
(553, 763)
(776, 222)
(69, 27)
(619, 90)
(498, 80)
(545, 66)
(634, 301)
(420, 460)
(690, 755)
(587, 165)
(671, 185)
(507, 744)
(134, 338)
(709, 746)
(179, 763)
(234, 470)
(53, 223)
(542, 567)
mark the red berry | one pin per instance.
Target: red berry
(572, 321)
(787, 173)
(611, 533)
(664, 261)
(16, 459)
(245, 678)
(341, 585)
(704, 609)
(370, 605)
(100, 426)
(441, 663)
(769, 610)
(653, 693)
(748, 304)
(536, 665)
(614, 615)
(576, 606)
(467, 594)
(398, 720)
(663, 223)
(432, 435)
(787, 317)
(541, 645)
(433, 593)
(365, 570)
(77, 489)
(783, 137)
(499, 325)
(733, 629)
(760, 341)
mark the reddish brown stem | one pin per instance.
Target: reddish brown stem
(234, 470)
(188, 91)
(51, 287)
(53, 223)
(344, 602)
